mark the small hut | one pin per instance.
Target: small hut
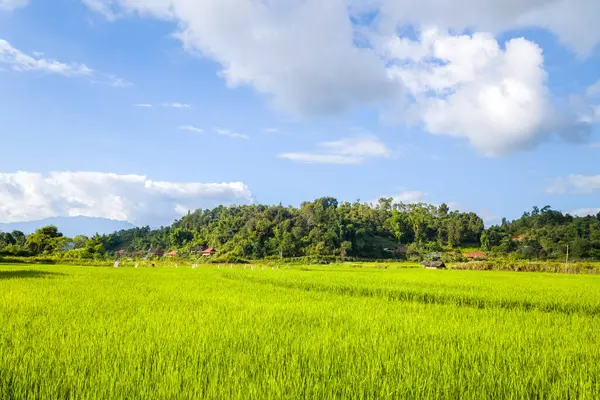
(209, 252)
(433, 265)
(397, 250)
(476, 255)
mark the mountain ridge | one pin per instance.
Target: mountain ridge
(70, 226)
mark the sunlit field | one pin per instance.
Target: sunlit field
(312, 332)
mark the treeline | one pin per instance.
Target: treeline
(545, 234)
(326, 228)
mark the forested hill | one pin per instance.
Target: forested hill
(326, 228)
(323, 227)
(545, 234)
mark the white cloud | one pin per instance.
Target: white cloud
(222, 132)
(572, 20)
(354, 150)
(165, 105)
(227, 132)
(594, 89)
(468, 86)
(191, 128)
(301, 53)
(362, 146)
(404, 197)
(30, 196)
(177, 105)
(574, 184)
(315, 158)
(18, 61)
(584, 212)
(310, 58)
(409, 197)
(9, 5)
(115, 81)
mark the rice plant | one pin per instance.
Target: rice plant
(321, 332)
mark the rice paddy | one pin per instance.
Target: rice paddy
(312, 332)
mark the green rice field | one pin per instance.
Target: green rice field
(318, 332)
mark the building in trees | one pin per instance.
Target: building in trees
(209, 252)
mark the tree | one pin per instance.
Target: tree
(44, 240)
(19, 237)
(179, 237)
(485, 241)
(6, 239)
(443, 209)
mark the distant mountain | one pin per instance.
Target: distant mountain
(70, 226)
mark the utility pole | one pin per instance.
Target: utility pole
(567, 261)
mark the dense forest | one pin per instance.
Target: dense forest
(325, 228)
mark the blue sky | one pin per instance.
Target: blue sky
(276, 103)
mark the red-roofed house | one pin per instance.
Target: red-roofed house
(172, 254)
(209, 252)
(476, 255)
(121, 252)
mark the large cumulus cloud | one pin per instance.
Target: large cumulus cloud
(134, 198)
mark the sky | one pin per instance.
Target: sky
(141, 110)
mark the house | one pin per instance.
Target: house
(209, 252)
(476, 255)
(433, 265)
(157, 253)
(172, 254)
(121, 252)
(397, 250)
(139, 252)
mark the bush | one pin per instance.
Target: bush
(530, 266)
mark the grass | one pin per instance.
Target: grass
(315, 332)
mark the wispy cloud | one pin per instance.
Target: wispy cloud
(594, 89)
(9, 5)
(574, 184)
(116, 82)
(218, 131)
(227, 132)
(313, 158)
(405, 196)
(584, 212)
(363, 146)
(354, 150)
(176, 105)
(191, 128)
(19, 61)
(164, 105)
(275, 131)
